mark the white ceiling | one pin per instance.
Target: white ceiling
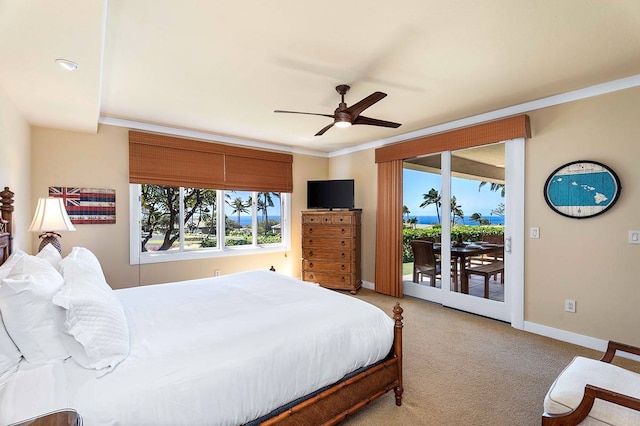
(223, 67)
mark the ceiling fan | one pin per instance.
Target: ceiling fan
(345, 116)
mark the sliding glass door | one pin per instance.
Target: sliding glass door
(460, 204)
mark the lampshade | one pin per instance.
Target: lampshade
(50, 217)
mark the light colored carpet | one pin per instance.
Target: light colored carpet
(462, 369)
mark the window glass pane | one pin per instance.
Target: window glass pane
(269, 217)
(160, 209)
(237, 213)
(200, 218)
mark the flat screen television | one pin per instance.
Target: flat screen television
(330, 194)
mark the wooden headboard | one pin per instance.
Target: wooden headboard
(6, 237)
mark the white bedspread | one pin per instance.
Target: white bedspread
(216, 351)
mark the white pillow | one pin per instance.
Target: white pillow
(91, 319)
(84, 257)
(50, 254)
(27, 311)
(10, 356)
(5, 268)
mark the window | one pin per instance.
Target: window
(179, 223)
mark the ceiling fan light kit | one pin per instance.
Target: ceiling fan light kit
(344, 116)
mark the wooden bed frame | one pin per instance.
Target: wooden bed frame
(328, 407)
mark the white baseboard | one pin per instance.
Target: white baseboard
(574, 338)
(369, 285)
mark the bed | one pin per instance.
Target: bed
(256, 347)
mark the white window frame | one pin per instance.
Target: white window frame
(137, 257)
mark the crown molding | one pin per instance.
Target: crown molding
(211, 137)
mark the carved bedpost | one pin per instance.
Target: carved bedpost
(6, 199)
(397, 331)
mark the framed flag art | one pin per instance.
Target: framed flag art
(87, 205)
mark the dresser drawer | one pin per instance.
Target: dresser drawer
(310, 265)
(309, 230)
(339, 254)
(326, 243)
(330, 280)
(342, 219)
(316, 218)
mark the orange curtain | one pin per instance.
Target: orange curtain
(389, 229)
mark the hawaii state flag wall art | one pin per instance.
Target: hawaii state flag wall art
(87, 205)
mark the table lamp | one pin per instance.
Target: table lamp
(50, 217)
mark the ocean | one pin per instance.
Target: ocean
(422, 220)
(430, 220)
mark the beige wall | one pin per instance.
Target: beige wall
(64, 158)
(15, 168)
(361, 167)
(587, 260)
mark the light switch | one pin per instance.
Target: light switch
(534, 232)
(634, 237)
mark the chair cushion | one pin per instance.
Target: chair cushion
(567, 390)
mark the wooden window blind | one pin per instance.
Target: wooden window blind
(389, 212)
(171, 161)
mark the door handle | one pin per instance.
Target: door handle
(507, 244)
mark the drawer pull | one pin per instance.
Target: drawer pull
(311, 254)
(343, 279)
(310, 264)
(344, 267)
(343, 231)
(310, 242)
(311, 230)
(342, 243)
(344, 255)
(311, 276)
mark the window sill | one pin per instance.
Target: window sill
(173, 256)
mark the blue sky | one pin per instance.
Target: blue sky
(466, 192)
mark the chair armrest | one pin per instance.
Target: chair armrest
(581, 412)
(612, 347)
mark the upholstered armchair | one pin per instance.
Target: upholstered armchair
(595, 392)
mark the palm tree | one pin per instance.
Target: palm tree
(495, 187)
(264, 204)
(432, 197)
(456, 210)
(405, 212)
(239, 207)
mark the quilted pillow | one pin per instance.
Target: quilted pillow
(91, 319)
(27, 311)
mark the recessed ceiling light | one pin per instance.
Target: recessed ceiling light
(67, 64)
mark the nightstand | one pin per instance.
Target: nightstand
(57, 418)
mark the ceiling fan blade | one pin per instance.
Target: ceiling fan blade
(355, 109)
(375, 122)
(306, 113)
(324, 129)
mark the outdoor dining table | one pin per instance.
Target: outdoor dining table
(461, 253)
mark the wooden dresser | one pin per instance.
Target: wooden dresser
(331, 249)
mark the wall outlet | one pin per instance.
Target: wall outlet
(570, 305)
(216, 272)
